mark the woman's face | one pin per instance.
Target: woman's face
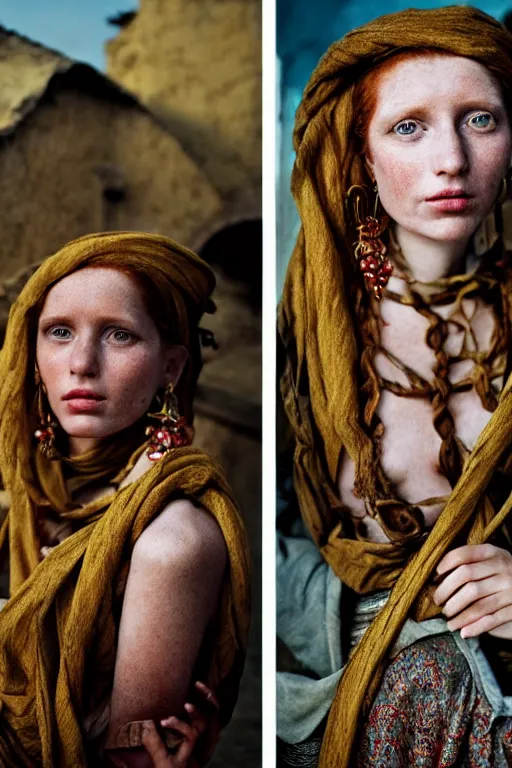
(439, 145)
(100, 355)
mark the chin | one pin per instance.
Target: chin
(85, 426)
(452, 230)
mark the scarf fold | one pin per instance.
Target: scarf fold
(58, 632)
(318, 327)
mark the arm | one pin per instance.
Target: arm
(172, 592)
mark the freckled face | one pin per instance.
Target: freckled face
(439, 145)
(99, 353)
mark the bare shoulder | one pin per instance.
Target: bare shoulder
(183, 531)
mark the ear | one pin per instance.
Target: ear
(177, 357)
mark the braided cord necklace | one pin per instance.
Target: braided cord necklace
(402, 521)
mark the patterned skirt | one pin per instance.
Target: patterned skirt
(428, 713)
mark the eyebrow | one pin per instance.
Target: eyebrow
(68, 319)
(421, 111)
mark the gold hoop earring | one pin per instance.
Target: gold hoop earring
(46, 433)
(172, 432)
(370, 251)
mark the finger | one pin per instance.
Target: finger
(472, 592)
(208, 694)
(154, 744)
(184, 753)
(198, 719)
(181, 726)
(470, 553)
(465, 574)
(490, 623)
(486, 606)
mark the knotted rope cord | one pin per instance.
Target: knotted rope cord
(492, 283)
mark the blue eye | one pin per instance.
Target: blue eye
(482, 120)
(407, 128)
(60, 333)
(121, 336)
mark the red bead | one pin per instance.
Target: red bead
(386, 268)
(363, 264)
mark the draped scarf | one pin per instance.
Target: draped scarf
(318, 328)
(58, 631)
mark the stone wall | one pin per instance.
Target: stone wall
(197, 65)
(81, 164)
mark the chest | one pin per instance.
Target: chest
(465, 336)
(463, 333)
(410, 443)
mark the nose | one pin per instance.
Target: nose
(84, 357)
(449, 154)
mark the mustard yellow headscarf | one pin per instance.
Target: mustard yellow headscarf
(320, 384)
(58, 630)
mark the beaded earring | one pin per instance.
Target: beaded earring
(172, 432)
(46, 433)
(370, 251)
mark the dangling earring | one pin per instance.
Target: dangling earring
(172, 432)
(46, 433)
(370, 251)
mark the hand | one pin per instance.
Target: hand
(202, 721)
(476, 591)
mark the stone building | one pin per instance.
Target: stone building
(197, 65)
(79, 154)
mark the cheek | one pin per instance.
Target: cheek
(133, 378)
(52, 369)
(396, 177)
(493, 162)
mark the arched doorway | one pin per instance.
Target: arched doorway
(237, 250)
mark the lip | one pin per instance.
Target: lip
(454, 192)
(83, 394)
(451, 201)
(83, 400)
(84, 405)
(452, 204)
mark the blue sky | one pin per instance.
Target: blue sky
(74, 27)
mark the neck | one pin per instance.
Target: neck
(80, 445)
(429, 260)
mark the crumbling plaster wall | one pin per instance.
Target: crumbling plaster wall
(197, 65)
(57, 163)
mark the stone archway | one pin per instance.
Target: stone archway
(236, 249)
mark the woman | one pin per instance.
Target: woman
(128, 559)
(395, 352)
